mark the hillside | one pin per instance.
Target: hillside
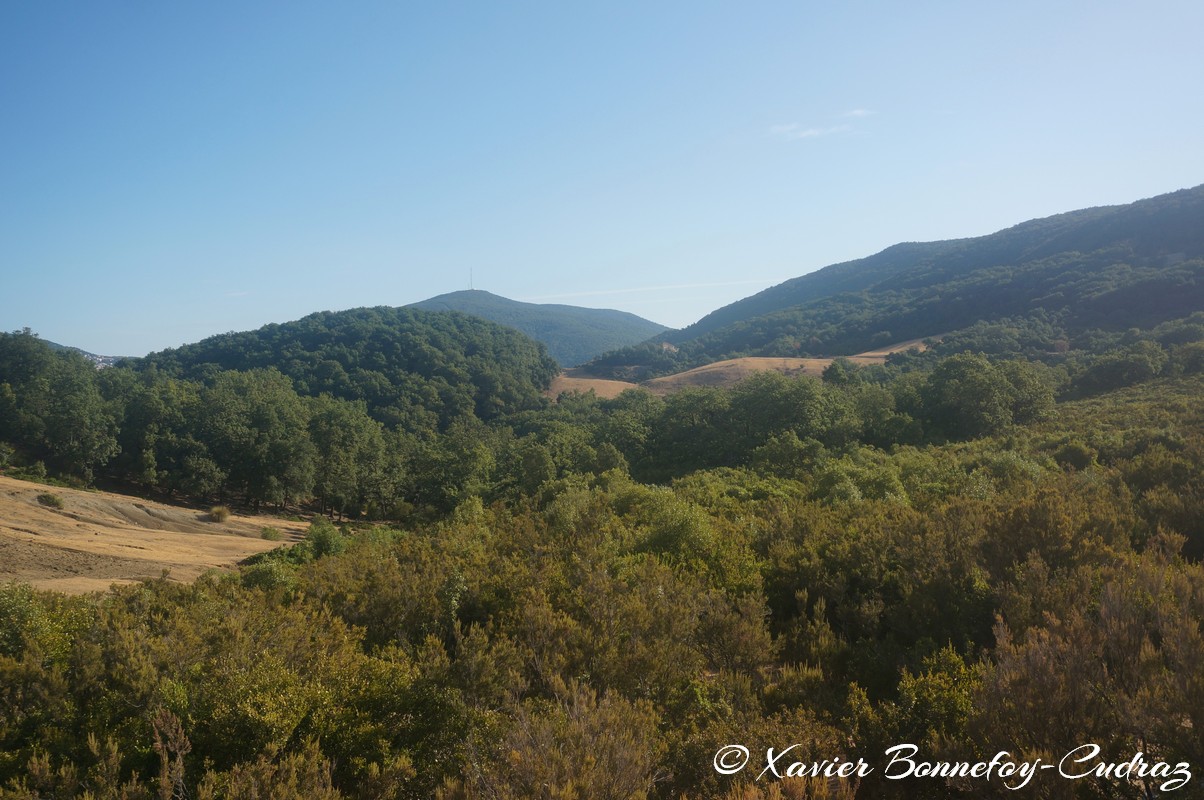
(97, 538)
(411, 367)
(722, 374)
(573, 335)
(1107, 268)
(98, 360)
(729, 372)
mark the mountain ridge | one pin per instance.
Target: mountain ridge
(1104, 267)
(911, 253)
(572, 334)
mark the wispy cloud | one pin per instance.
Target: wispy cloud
(795, 130)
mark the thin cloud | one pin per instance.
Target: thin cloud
(794, 131)
(784, 130)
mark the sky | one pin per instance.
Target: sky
(169, 171)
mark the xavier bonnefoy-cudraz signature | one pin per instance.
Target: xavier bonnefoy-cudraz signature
(904, 761)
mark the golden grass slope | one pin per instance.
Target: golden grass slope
(99, 538)
(720, 373)
(578, 380)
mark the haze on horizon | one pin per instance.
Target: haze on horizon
(171, 172)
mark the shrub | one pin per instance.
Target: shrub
(1075, 454)
(51, 500)
(219, 514)
(325, 538)
(35, 473)
(271, 534)
(269, 575)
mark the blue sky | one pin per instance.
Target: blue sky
(173, 170)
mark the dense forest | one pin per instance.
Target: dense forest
(411, 368)
(992, 545)
(1104, 268)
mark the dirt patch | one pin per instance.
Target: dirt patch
(99, 538)
(901, 347)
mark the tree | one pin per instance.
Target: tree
(80, 430)
(257, 430)
(966, 396)
(693, 432)
(350, 455)
(1032, 390)
(50, 405)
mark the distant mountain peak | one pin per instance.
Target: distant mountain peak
(572, 334)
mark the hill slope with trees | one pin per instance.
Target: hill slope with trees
(1109, 268)
(573, 335)
(412, 367)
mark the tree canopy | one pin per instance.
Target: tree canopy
(412, 368)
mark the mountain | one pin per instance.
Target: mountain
(1108, 268)
(573, 335)
(413, 368)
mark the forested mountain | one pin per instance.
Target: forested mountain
(413, 368)
(1110, 268)
(572, 334)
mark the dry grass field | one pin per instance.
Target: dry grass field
(720, 373)
(98, 538)
(577, 380)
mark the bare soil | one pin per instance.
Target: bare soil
(98, 538)
(900, 347)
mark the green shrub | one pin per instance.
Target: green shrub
(18, 606)
(35, 473)
(325, 538)
(1075, 454)
(219, 514)
(51, 500)
(271, 534)
(269, 575)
